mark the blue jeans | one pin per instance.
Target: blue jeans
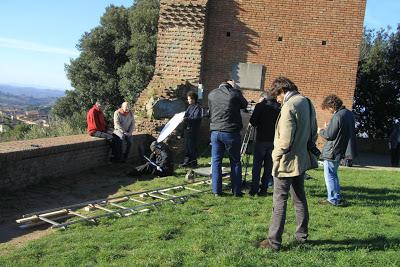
(332, 181)
(262, 154)
(229, 142)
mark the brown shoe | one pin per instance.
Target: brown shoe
(325, 202)
(265, 244)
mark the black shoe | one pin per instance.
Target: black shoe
(240, 194)
(219, 194)
(115, 160)
(252, 193)
(262, 193)
(342, 203)
(134, 172)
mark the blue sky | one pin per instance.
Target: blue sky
(37, 37)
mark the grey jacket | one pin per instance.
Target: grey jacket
(338, 134)
(225, 103)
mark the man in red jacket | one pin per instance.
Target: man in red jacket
(96, 122)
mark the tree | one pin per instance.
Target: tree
(376, 101)
(116, 60)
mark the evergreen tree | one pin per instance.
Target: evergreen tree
(377, 95)
(116, 60)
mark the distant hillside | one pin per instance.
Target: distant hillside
(30, 91)
(27, 96)
(7, 100)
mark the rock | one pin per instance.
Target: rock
(166, 108)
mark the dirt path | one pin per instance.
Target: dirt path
(96, 184)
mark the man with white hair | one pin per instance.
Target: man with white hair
(124, 125)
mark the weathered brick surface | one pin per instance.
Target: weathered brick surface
(314, 43)
(254, 27)
(22, 164)
(180, 39)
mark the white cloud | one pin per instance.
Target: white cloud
(26, 45)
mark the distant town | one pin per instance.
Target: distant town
(25, 105)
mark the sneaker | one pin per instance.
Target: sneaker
(262, 193)
(267, 245)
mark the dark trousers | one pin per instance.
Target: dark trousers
(117, 146)
(394, 156)
(191, 137)
(282, 187)
(262, 155)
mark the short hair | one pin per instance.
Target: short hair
(282, 85)
(332, 101)
(192, 95)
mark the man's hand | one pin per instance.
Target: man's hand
(159, 169)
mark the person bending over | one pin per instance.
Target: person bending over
(160, 164)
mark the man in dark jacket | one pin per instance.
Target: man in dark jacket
(161, 162)
(394, 144)
(263, 119)
(337, 134)
(192, 121)
(225, 103)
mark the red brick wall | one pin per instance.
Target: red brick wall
(254, 27)
(180, 38)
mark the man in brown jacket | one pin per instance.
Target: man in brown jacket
(295, 125)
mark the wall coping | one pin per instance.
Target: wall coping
(43, 146)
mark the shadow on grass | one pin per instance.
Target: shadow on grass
(377, 243)
(363, 196)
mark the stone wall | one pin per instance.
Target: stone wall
(23, 163)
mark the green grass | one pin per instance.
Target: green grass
(209, 231)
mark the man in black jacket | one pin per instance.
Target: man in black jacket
(192, 121)
(263, 119)
(161, 162)
(225, 103)
(337, 134)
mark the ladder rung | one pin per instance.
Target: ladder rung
(48, 220)
(101, 208)
(136, 200)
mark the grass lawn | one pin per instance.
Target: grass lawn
(210, 231)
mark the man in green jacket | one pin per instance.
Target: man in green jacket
(296, 125)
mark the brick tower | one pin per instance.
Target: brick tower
(315, 43)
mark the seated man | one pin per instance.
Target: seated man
(96, 123)
(161, 162)
(124, 125)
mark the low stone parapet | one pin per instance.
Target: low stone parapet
(27, 162)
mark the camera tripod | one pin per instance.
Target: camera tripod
(244, 150)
